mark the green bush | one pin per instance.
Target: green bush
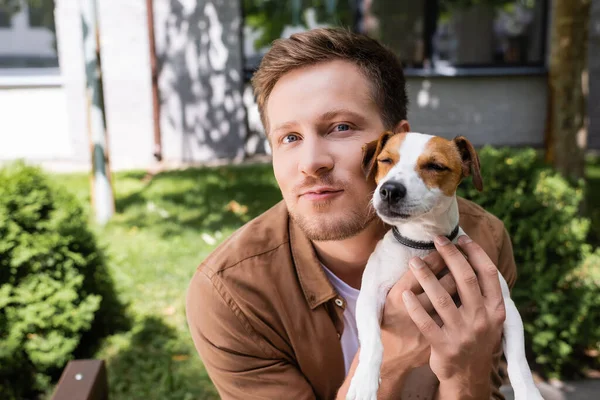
(540, 209)
(52, 281)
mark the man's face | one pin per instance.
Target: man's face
(319, 118)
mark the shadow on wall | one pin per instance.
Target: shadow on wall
(199, 53)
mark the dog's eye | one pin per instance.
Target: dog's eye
(436, 167)
(385, 160)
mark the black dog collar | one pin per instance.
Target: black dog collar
(420, 245)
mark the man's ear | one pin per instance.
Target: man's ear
(402, 127)
(470, 161)
(370, 152)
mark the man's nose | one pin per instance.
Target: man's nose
(392, 192)
(315, 158)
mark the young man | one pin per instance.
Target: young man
(271, 310)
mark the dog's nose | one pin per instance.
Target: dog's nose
(392, 192)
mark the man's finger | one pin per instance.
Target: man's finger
(448, 283)
(485, 268)
(436, 264)
(435, 261)
(466, 279)
(442, 301)
(424, 322)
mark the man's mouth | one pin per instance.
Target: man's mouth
(320, 190)
(321, 193)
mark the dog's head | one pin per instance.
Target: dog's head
(417, 173)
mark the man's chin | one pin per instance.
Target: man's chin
(328, 228)
(320, 207)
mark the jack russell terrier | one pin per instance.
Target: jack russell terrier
(417, 176)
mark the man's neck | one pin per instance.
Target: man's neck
(440, 221)
(348, 258)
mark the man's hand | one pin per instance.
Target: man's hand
(405, 347)
(462, 349)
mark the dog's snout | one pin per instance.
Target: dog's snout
(392, 192)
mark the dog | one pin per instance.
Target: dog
(417, 176)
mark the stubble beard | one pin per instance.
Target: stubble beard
(326, 227)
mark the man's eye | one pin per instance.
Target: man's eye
(436, 167)
(385, 160)
(290, 138)
(342, 127)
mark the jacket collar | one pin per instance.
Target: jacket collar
(315, 285)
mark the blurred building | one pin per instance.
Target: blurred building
(478, 70)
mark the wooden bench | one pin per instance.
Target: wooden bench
(82, 380)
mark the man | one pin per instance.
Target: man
(271, 310)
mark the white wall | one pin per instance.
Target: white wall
(126, 79)
(34, 124)
(127, 82)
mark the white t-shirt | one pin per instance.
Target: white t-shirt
(349, 337)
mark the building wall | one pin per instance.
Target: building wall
(34, 124)
(70, 59)
(127, 82)
(501, 110)
(198, 44)
(202, 117)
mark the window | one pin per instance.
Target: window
(4, 18)
(29, 40)
(399, 24)
(424, 33)
(490, 33)
(267, 20)
(40, 16)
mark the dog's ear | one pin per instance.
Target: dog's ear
(369, 158)
(470, 161)
(370, 152)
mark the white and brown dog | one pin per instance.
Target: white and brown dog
(417, 176)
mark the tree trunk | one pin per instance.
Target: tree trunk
(568, 84)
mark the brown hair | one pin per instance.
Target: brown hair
(378, 64)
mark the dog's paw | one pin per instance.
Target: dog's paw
(364, 385)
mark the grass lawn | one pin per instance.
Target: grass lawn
(162, 230)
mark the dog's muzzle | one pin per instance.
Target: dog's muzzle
(392, 192)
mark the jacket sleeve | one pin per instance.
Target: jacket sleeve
(508, 269)
(240, 363)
